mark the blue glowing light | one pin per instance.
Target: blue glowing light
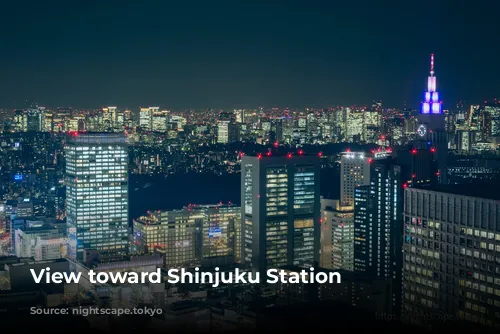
(425, 108)
(436, 108)
(18, 177)
(214, 232)
(435, 97)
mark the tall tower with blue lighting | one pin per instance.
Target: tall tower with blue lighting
(431, 116)
(431, 134)
(431, 104)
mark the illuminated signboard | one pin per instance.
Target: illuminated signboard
(18, 177)
(214, 232)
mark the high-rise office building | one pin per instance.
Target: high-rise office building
(34, 119)
(452, 254)
(109, 118)
(337, 235)
(337, 225)
(159, 121)
(276, 131)
(227, 132)
(97, 194)
(223, 132)
(354, 171)
(378, 228)
(493, 111)
(146, 117)
(280, 210)
(419, 165)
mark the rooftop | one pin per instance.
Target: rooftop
(96, 138)
(480, 190)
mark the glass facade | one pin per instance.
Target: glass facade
(303, 242)
(181, 239)
(363, 224)
(276, 191)
(97, 194)
(220, 231)
(248, 240)
(280, 202)
(276, 243)
(248, 189)
(303, 188)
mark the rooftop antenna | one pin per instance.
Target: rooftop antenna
(432, 64)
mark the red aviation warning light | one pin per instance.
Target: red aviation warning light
(259, 155)
(320, 154)
(289, 155)
(268, 153)
(433, 149)
(414, 151)
(301, 152)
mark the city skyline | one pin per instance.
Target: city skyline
(365, 103)
(199, 155)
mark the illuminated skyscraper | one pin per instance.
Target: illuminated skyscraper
(146, 117)
(431, 129)
(34, 119)
(97, 194)
(431, 104)
(280, 210)
(378, 227)
(354, 171)
(223, 132)
(492, 111)
(337, 216)
(337, 235)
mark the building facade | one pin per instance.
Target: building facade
(97, 194)
(337, 235)
(354, 171)
(194, 235)
(280, 210)
(452, 254)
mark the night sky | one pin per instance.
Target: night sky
(231, 54)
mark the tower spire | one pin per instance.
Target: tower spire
(432, 103)
(432, 64)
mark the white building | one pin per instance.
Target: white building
(97, 193)
(354, 171)
(223, 132)
(42, 243)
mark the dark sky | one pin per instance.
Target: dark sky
(229, 54)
